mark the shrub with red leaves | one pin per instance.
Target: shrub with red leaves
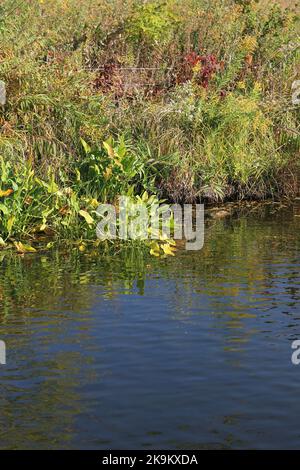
(209, 66)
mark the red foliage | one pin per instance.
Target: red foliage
(209, 66)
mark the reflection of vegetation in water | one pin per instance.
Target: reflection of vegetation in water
(55, 365)
(230, 282)
(64, 274)
(52, 396)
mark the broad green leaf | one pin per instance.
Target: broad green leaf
(4, 209)
(85, 146)
(10, 223)
(78, 175)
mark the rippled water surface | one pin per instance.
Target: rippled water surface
(133, 352)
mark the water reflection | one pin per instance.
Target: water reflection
(131, 352)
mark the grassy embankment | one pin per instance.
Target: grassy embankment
(190, 100)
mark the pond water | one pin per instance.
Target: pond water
(131, 352)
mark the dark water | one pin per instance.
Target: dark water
(131, 352)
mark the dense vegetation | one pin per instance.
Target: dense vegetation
(188, 99)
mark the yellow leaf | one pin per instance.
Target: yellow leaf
(94, 203)
(109, 149)
(168, 250)
(89, 220)
(154, 253)
(6, 193)
(145, 196)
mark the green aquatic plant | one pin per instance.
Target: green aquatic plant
(109, 170)
(34, 209)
